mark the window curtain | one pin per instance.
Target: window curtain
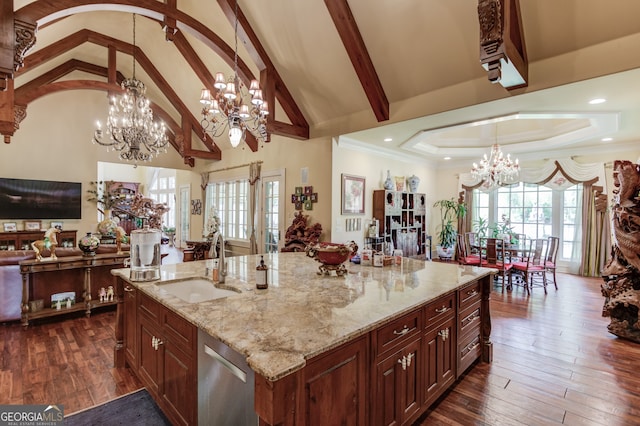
(254, 176)
(596, 237)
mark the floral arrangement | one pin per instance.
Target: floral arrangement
(213, 224)
(104, 199)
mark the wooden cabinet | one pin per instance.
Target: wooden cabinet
(398, 367)
(469, 326)
(21, 240)
(336, 386)
(402, 217)
(167, 359)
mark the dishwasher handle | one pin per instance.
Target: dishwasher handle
(226, 363)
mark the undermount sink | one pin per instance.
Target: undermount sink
(195, 290)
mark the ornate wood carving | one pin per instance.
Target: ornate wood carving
(25, 40)
(621, 288)
(502, 48)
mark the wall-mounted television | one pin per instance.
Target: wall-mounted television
(40, 199)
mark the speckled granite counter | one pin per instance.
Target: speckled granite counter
(303, 314)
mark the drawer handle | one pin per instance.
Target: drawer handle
(471, 293)
(127, 288)
(471, 346)
(403, 361)
(442, 310)
(402, 332)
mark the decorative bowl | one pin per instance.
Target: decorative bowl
(331, 256)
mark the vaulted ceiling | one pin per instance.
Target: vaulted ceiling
(338, 67)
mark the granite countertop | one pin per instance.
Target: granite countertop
(303, 314)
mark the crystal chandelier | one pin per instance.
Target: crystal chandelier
(130, 124)
(226, 108)
(497, 169)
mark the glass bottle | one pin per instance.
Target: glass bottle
(261, 275)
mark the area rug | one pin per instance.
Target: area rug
(136, 408)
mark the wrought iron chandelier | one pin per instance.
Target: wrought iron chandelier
(130, 124)
(497, 169)
(226, 107)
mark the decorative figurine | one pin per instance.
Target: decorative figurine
(103, 294)
(109, 296)
(49, 242)
(121, 237)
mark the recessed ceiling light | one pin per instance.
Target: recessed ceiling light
(447, 158)
(388, 139)
(597, 101)
(606, 139)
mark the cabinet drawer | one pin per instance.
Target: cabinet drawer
(149, 307)
(181, 331)
(469, 295)
(440, 309)
(398, 331)
(469, 320)
(469, 350)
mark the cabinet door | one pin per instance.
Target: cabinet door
(398, 381)
(150, 350)
(440, 346)
(335, 386)
(129, 321)
(178, 384)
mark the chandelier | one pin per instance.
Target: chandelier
(497, 169)
(226, 108)
(130, 124)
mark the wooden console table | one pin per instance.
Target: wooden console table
(83, 275)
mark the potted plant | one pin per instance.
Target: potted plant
(450, 210)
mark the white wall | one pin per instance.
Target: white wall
(374, 169)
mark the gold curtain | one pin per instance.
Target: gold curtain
(254, 176)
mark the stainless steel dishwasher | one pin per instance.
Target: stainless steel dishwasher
(225, 385)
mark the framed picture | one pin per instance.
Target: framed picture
(298, 190)
(308, 190)
(353, 188)
(308, 205)
(314, 197)
(9, 227)
(32, 225)
(298, 205)
(56, 225)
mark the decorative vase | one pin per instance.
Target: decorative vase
(89, 244)
(413, 182)
(388, 183)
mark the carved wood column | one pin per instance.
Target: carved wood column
(502, 48)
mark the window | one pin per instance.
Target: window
(163, 190)
(537, 211)
(230, 200)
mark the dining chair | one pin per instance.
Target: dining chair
(495, 257)
(463, 254)
(553, 244)
(533, 269)
(471, 240)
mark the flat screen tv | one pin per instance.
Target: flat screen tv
(40, 199)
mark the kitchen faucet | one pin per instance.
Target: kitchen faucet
(213, 253)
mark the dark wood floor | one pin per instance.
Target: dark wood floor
(554, 363)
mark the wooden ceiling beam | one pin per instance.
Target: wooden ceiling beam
(354, 45)
(82, 36)
(41, 10)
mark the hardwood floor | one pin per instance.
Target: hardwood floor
(554, 363)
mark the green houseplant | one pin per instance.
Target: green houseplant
(450, 211)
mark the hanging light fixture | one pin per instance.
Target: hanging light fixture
(130, 124)
(226, 107)
(497, 169)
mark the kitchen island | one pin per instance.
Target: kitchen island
(377, 345)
